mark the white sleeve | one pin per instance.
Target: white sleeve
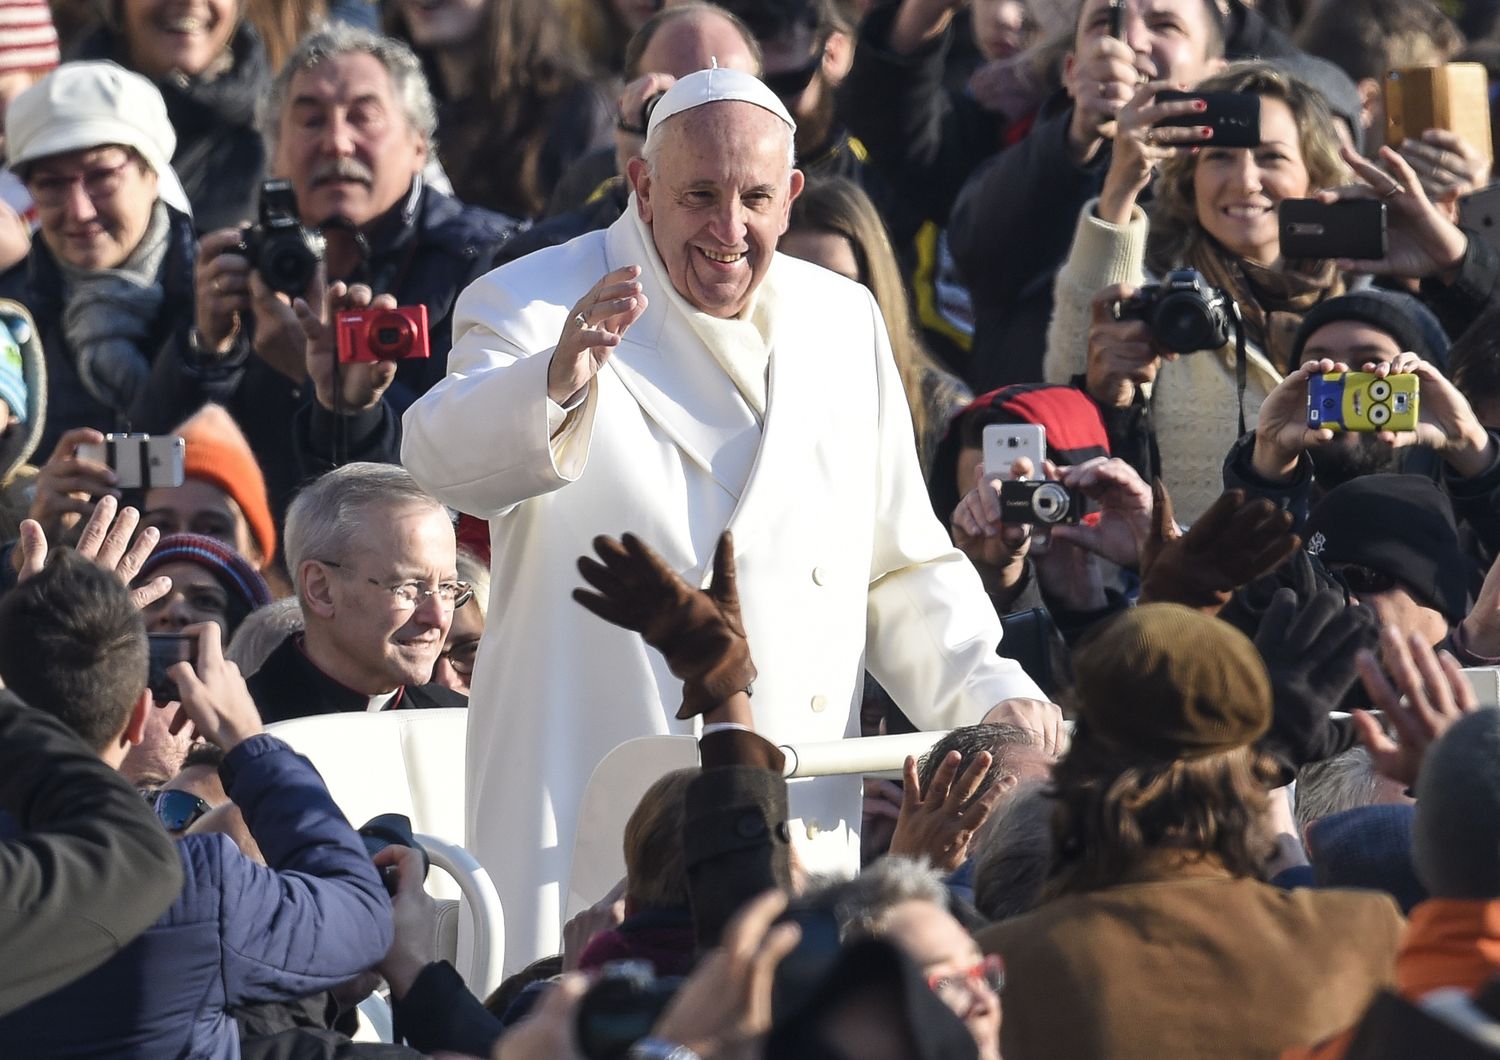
(1102, 255)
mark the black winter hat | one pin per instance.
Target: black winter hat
(1401, 316)
(1401, 526)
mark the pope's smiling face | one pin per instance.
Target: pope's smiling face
(717, 200)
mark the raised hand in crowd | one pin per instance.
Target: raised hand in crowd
(109, 538)
(630, 128)
(414, 914)
(1447, 423)
(1234, 542)
(595, 326)
(1122, 355)
(1420, 240)
(1124, 517)
(605, 914)
(1310, 648)
(1479, 632)
(939, 824)
(724, 1008)
(699, 632)
(280, 338)
(1281, 431)
(1448, 166)
(343, 388)
(221, 291)
(1139, 147)
(213, 694)
(1421, 693)
(1103, 78)
(68, 484)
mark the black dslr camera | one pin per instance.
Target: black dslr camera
(1184, 312)
(621, 1007)
(284, 253)
(1039, 503)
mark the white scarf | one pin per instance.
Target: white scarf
(741, 345)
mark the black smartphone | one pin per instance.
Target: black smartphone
(1353, 228)
(1233, 116)
(1116, 27)
(1481, 212)
(164, 650)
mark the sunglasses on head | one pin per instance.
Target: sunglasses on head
(178, 809)
(1361, 580)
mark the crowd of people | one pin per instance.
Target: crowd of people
(623, 368)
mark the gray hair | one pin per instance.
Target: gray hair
(651, 151)
(862, 905)
(471, 570)
(333, 39)
(1003, 742)
(1344, 782)
(262, 632)
(330, 511)
(1013, 855)
(1456, 829)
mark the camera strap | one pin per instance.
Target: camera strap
(1241, 365)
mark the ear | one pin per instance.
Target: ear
(316, 589)
(1371, 102)
(639, 175)
(838, 57)
(135, 725)
(798, 182)
(1070, 61)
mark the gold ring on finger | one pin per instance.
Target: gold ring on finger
(581, 320)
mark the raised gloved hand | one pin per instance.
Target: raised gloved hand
(699, 631)
(1302, 574)
(1234, 542)
(1310, 647)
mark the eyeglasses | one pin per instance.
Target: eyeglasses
(1362, 581)
(957, 989)
(409, 595)
(461, 657)
(178, 809)
(98, 183)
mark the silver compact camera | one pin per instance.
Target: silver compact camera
(1039, 503)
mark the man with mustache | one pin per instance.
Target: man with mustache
(349, 121)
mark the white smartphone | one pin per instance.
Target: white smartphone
(140, 460)
(1004, 443)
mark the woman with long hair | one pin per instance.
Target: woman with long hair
(834, 224)
(516, 103)
(1215, 210)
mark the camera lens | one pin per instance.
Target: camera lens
(288, 270)
(1050, 502)
(391, 336)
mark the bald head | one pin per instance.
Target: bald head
(680, 41)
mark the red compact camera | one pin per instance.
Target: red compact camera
(367, 335)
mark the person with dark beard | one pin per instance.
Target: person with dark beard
(1389, 333)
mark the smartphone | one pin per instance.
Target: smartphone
(164, 650)
(140, 460)
(1233, 116)
(1005, 442)
(1362, 401)
(1452, 96)
(1353, 228)
(1480, 212)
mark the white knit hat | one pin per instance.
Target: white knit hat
(716, 85)
(80, 106)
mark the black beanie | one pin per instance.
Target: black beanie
(1401, 526)
(1401, 316)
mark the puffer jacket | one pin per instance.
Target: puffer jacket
(239, 933)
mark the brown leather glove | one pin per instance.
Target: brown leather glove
(1233, 543)
(700, 632)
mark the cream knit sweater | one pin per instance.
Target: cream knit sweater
(1194, 408)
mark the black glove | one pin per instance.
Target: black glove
(1309, 650)
(1303, 574)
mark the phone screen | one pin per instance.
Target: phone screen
(164, 650)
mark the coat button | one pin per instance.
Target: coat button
(820, 575)
(813, 829)
(819, 704)
(749, 826)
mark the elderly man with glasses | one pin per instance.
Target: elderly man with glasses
(374, 562)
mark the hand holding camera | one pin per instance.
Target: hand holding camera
(1282, 432)
(221, 290)
(214, 696)
(997, 551)
(1124, 503)
(1121, 355)
(347, 375)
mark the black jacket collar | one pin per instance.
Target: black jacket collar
(290, 685)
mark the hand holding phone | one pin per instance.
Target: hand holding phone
(1363, 401)
(1234, 117)
(1005, 443)
(1351, 229)
(214, 696)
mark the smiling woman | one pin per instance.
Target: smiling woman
(1214, 210)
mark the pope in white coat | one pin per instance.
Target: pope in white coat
(704, 382)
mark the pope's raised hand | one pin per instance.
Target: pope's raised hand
(699, 631)
(595, 326)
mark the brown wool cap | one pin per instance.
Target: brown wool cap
(1169, 681)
